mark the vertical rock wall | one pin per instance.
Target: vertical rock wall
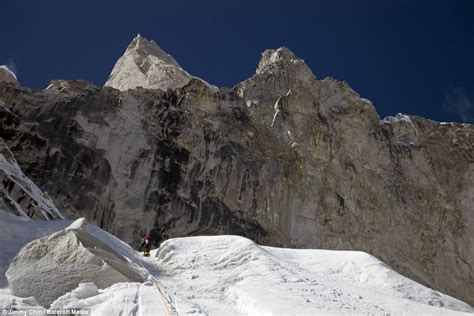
(283, 158)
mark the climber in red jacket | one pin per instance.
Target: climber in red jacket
(146, 245)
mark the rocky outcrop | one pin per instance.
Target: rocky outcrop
(62, 261)
(283, 158)
(146, 65)
(7, 75)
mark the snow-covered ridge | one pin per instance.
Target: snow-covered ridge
(16, 232)
(231, 275)
(51, 266)
(144, 64)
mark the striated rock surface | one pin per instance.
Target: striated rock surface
(18, 194)
(146, 65)
(282, 158)
(7, 75)
(62, 261)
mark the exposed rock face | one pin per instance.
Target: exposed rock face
(7, 75)
(62, 261)
(18, 194)
(146, 65)
(282, 158)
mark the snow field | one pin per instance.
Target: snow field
(231, 275)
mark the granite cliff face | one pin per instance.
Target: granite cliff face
(283, 158)
(18, 194)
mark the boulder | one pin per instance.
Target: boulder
(48, 267)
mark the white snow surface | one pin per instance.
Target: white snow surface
(78, 224)
(231, 275)
(15, 232)
(366, 100)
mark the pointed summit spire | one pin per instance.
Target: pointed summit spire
(146, 47)
(274, 56)
(274, 60)
(145, 64)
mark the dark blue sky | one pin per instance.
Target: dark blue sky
(415, 57)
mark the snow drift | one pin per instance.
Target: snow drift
(230, 275)
(15, 232)
(219, 275)
(53, 265)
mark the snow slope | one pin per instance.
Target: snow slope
(125, 298)
(231, 275)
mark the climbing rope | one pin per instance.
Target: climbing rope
(170, 311)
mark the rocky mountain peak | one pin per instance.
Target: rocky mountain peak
(144, 64)
(279, 72)
(6, 74)
(145, 47)
(275, 59)
(281, 158)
